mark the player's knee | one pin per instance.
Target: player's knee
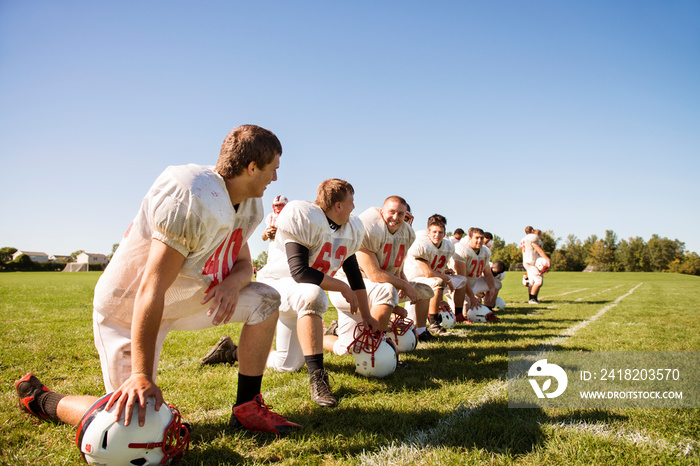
(269, 304)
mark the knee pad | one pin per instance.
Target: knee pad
(269, 302)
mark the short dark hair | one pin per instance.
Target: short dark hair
(437, 219)
(500, 267)
(246, 144)
(459, 231)
(473, 230)
(488, 235)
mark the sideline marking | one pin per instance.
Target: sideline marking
(408, 450)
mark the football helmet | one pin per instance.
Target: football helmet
(403, 334)
(500, 303)
(481, 314)
(541, 265)
(163, 439)
(447, 316)
(374, 355)
(525, 280)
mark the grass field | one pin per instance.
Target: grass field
(449, 406)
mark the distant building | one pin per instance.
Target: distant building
(90, 259)
(36, 257)
(60, 258)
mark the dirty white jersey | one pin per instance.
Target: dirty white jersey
(390, 249)
(436, 257)
(189, 209)
(530, 255)
(304, 222)
(476, 261)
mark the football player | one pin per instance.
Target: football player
(278, 204)
(184, 264)
(313, 241)
(387, 238)
(456, 236)
(471, 260)
(426, 262)
(531, 245)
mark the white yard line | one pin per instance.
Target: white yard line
(600, 292)
(406, 452)
(568, 292)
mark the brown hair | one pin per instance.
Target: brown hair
(473, 230)
(437, 219)
(246, 144)
(331, 191)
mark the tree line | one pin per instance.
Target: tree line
(608, 253)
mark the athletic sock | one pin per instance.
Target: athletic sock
(314, 362)
(459, 310)
(433, 318)
(248, 387)
(532, 296)
(420, 330)
(48, 404)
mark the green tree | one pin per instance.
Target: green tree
(633, 255)
(663, 251)
(689, 264)
(510, 254)
(6, 253)
(497, 243)
(571, 257)
(549, 242)
(261, 260)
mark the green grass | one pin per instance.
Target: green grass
(448, 407)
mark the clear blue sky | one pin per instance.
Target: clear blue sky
(575, 117)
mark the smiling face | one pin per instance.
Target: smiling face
(393, 212)
(436, 233)
(476, 240)
(262, 177)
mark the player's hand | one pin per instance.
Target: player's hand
(351, 298)
(449, 271)
(400, 311)
(372, 324)
(271, 232)
(223, 296)
(409, 292)
(134, 391)
(474, 302)
(449, 283)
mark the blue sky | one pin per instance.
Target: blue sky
(575, 117)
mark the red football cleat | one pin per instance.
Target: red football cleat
(460, 318)
(256, 416)
(28, 389)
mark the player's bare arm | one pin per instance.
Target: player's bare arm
(224, 296)
(491, 282)
(539, 250)
(370, 266)
(162, 267)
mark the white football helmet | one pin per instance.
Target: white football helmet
(447, 316)
(102, 441)
(481, 314)
(500, 303)
(374, 355)
(525, 280)
(403, 334)
(541, 265)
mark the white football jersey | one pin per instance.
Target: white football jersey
(530, 255)
(189, 209)
(305, 223)
(390, 249)
(436, 257)
(476, 261)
